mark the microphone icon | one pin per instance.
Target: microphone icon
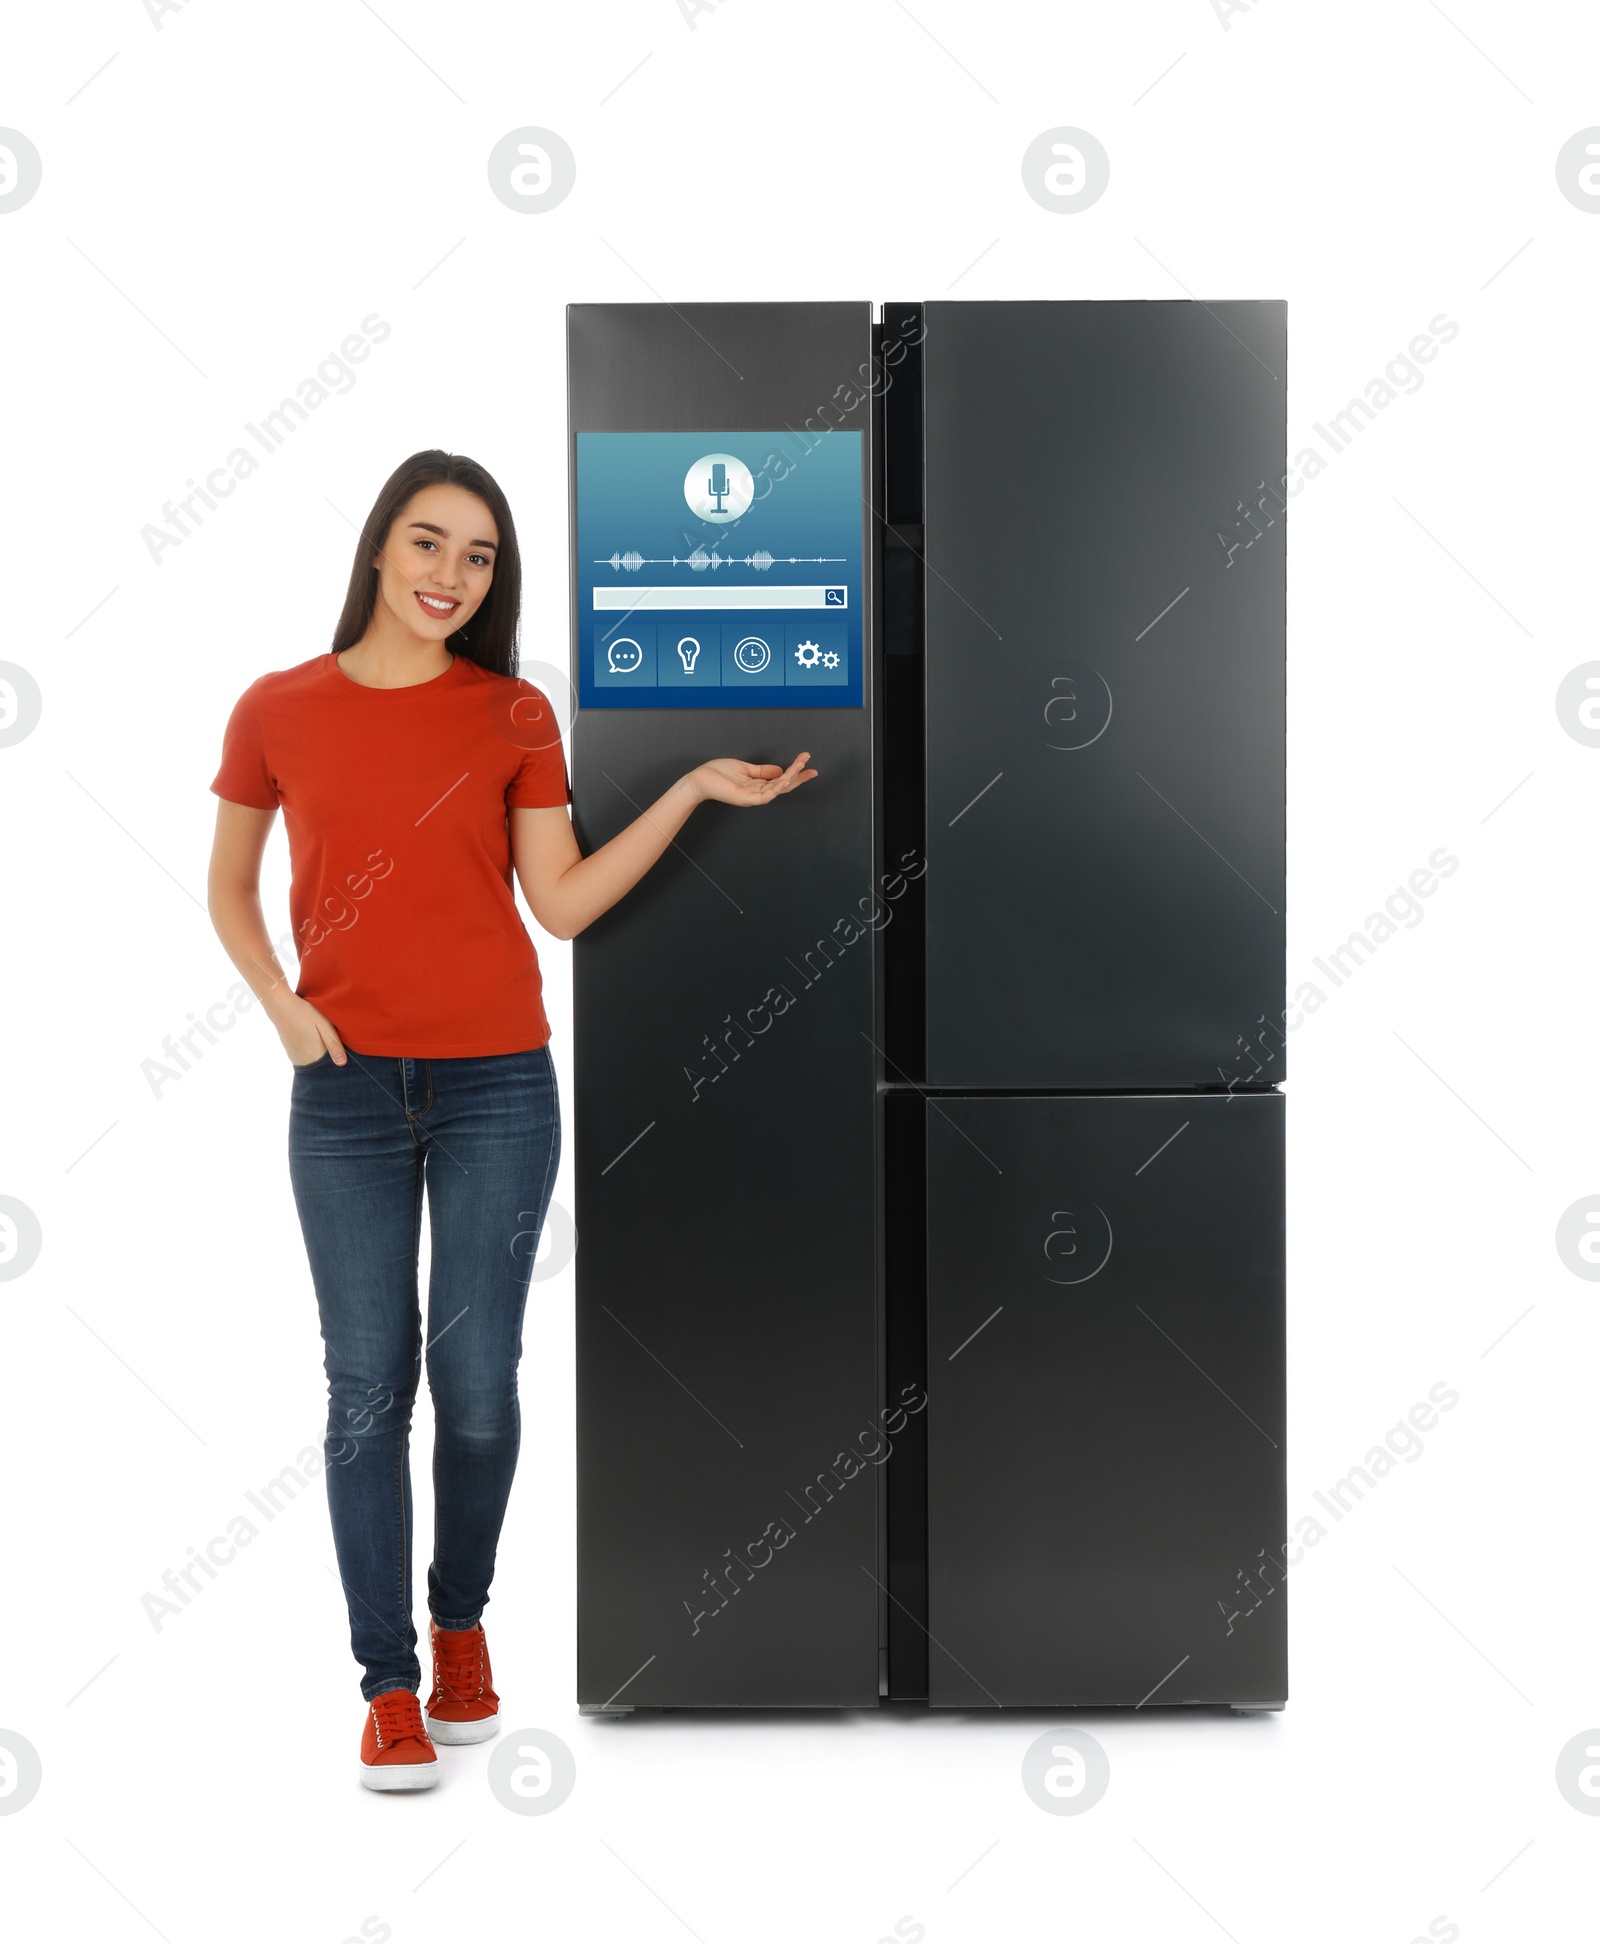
(717, 486)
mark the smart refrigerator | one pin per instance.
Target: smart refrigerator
(928, 1131)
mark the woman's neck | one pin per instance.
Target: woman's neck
(389, 656)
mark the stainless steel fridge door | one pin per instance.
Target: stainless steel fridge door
(726, 1171)
(1105, 692)
(1105, 1420)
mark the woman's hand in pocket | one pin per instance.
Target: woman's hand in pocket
(306, 1034)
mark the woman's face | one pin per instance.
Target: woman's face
(438, 561)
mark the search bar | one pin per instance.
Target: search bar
(635, 600)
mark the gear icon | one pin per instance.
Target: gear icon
(830, 660)
(808, 654)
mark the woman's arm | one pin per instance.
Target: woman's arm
(233, 896)
(566, 890)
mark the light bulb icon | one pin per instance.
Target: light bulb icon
(688, 653)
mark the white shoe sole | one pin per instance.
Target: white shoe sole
(399, 1775)
(456, 1732)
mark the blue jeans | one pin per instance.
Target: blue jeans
(484, 1135)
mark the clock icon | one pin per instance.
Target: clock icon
(751, 655)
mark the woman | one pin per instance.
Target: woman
(415, 773)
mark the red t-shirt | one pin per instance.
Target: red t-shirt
(396, 802)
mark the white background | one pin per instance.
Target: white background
(226, 194)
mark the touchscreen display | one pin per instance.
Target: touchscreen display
(719, 569)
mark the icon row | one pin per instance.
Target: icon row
(758, 652)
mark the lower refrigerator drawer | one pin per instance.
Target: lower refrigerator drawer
(1105, 1420)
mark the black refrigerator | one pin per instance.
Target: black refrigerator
(928, 1130)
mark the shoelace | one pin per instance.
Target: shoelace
(458, 1664)
(399, 1717)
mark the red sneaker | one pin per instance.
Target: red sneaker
(395, 1750)
(463, 1706)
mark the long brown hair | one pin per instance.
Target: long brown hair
(491, 638)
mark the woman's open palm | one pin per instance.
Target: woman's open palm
(725, 779)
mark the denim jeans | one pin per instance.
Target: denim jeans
(484, 1135)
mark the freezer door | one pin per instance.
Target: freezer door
(724, 1113)
(1105, 1419)
(1104, 582)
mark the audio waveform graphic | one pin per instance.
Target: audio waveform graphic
(700, 560)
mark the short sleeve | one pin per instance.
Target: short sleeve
(244, 776)
(541, 779)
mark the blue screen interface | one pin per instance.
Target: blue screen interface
(719, 570)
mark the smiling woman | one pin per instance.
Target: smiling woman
(411, 753)
(439, 546)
